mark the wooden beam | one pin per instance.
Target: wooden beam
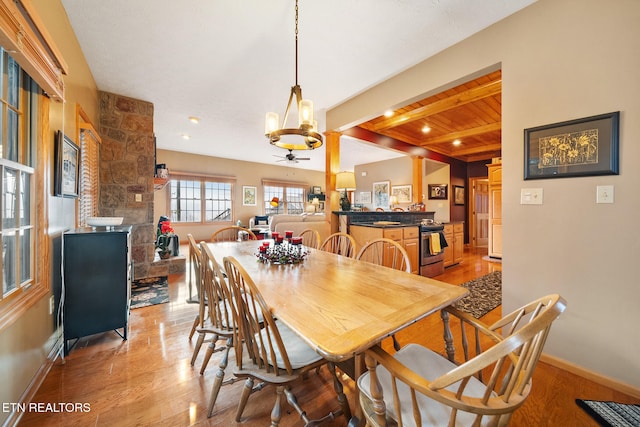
(462, 98)
(448, 138)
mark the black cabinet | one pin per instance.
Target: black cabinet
(97, 281)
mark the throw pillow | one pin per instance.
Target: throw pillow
(261, 220)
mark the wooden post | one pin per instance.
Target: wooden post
(332, 200)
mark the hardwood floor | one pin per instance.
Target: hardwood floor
(147, 380)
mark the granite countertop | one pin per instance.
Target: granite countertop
(380, 225)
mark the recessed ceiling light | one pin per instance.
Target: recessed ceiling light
(456, 142)
(388, 113)
(194, 119)
(426, 129)
(186, 136)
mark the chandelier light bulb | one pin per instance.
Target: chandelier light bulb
(271, 122)
(305, 112)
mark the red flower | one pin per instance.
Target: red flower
(165, 227)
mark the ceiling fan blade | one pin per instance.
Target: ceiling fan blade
(303, 158)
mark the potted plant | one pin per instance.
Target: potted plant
(163, 239)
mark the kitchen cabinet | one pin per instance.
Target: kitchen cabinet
(97, 282)
(408, 237)
(454, 235)
(495, 210)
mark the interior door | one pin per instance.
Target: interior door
(480, 212)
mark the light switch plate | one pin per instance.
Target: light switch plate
(531, 196)
(604, 194)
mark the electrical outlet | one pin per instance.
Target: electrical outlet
(604, 194)
(52, 304)
(531, 196)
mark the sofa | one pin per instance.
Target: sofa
(295, 223)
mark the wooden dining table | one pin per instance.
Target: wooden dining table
(338, 305)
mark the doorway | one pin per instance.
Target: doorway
(479, 212)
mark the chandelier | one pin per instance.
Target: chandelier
(307, 126)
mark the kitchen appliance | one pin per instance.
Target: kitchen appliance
(431, 264)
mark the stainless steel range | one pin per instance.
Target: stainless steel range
(431, 259)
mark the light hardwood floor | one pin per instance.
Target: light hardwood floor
(147, 380)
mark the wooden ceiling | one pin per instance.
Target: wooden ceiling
(470, 113)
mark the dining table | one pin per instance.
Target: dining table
(338, 305)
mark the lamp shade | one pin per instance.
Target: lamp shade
(345, 181)
(315, 201)
(275, 202)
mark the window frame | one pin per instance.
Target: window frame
(203, 179)
(303, 186)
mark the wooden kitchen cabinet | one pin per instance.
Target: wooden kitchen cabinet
(408, 237)
(495, 210)
(454, 235)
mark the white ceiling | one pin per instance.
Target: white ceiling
(228, 62)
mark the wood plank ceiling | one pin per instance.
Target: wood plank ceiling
(470, 113)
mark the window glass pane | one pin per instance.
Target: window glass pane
(11, 143)
(25, 199)
(25, 255)
(217, 201)
(9, 198)
(295, 200)
(13, 83)
(8, 261)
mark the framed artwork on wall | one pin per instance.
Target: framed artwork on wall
(402, 193)
(66, 166)
(582, 147)
(381, 195)
(248, 195)
(438, 191)
(458, 195)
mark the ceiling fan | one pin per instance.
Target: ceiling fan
(291, 158)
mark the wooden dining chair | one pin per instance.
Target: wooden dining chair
(194, 278)
(271, 352)
(310, 238)
(220, 322)
(231, 234)
(340, 243)
(385, 252)
(397, 210)
(379, 210)
(491, 379)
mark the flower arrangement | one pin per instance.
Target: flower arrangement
(282, 253)
(163, 238)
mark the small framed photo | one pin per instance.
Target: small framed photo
(381, 195)
(316, 189)
(248, 195)
(66, 166)
(458, 195)
(402, 193)
(365, 197)
(438, 191)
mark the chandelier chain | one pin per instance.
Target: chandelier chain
(296, 42)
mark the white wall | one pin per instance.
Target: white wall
(560, 60)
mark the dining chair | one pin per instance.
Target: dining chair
(385, 252)
(417, 386)
(231, 234)
(341, 244)
(379, 210)
(194, 277)
(269, 351)
(310, 238)
(397, 210)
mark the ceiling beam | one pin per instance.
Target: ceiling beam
(474, 94)
(475, 150)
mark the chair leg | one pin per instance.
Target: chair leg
(219, 379)
(244, 398)
(196, 349)
(276, 412)
(211, 348)
(196, 322)
(342, 398)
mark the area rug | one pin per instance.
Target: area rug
(485, 294)
(611, 414)
(149, 291)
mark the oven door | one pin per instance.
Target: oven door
(426, 257)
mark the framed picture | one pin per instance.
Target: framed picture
(458, 195)
(248, 195)
(381, 195)
(402, 193)
(365, 197)
(582, 147)
(66, 166)
(316, 189)
(438, 191)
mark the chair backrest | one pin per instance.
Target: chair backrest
(398, 210)
(218, 294)
(195, 272)
(310, 238)
(341, 244)
(256, 327)
(231, 234)
(489, 385)
(379, 210)
(386, 252)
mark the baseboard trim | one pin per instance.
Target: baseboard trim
(14, 417)
(591, 375)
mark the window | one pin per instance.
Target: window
(18, 128)
(200, 199)
(291, 197)
(89, 168)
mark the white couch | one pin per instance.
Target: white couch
(296, 223)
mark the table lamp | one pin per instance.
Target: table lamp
(393, 200)
(345, 181)
(315, 202)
